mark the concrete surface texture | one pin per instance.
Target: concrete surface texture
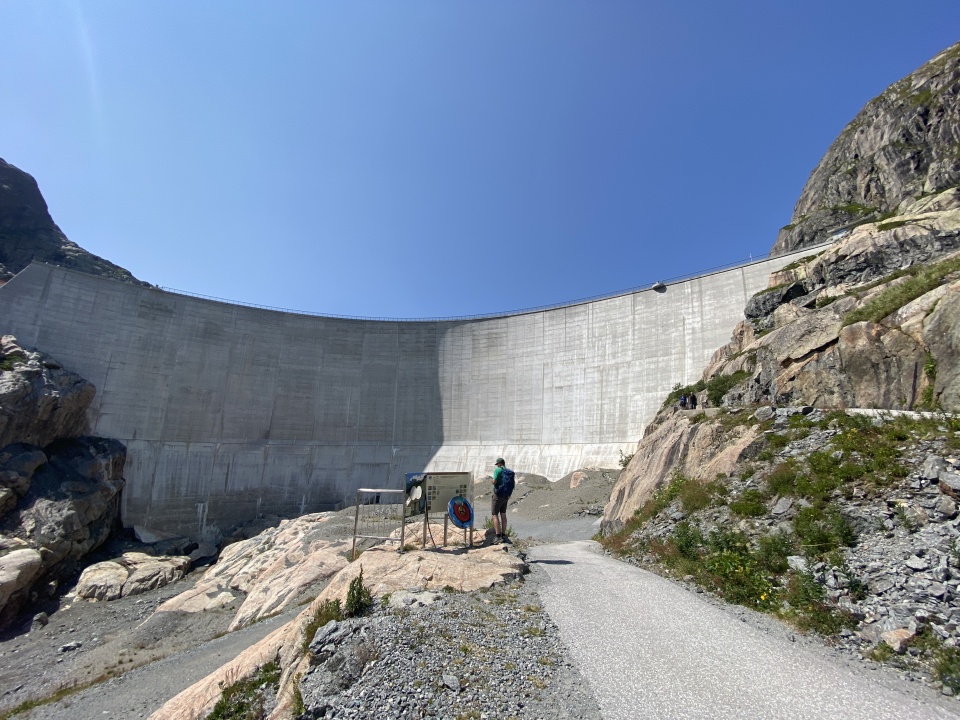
(651, 649)
(229, 411)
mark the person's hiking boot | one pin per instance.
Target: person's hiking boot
(506, 539)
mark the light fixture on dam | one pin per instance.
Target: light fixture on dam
(658, 287)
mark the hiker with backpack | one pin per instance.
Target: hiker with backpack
(503, 484)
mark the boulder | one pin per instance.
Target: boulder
(766, 301)
(69, 508)
(18, 570)
(131, 574)
(39, 400)
(698, 450)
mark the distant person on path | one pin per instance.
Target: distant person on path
(692, 402)
(683, 402)
(503, 484)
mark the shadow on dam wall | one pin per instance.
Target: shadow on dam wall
(230, 411)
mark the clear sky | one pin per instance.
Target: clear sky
(423, 159)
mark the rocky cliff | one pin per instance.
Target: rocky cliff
(778, 492)
(28, 233)
(59, 489)
(905, 144)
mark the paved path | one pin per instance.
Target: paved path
(651, 649)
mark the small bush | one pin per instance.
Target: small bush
(751, 503)
(720, 385)
(696, 496)
(782, 480)
(739, 579)
(688, 540)
(359, 598)
(10, 361)
(821, 530)
(772, 552)
(809, 608)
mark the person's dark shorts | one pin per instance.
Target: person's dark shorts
(498, 505)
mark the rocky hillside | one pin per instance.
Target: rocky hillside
(777, 494)
(28, 233)
(904, 144)
(59, 489)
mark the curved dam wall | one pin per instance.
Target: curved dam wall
(230, 411)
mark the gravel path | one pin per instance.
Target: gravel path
(650, 648)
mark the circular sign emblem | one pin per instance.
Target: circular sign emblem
(460, 512)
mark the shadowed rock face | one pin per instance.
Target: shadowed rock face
(903, 144)
(28, 233)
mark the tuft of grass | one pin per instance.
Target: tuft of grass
(920, 280)
(927, 400)
(246, 699)
(12, 360)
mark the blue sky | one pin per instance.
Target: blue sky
(423, 159)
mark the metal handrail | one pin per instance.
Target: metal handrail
(509, 313)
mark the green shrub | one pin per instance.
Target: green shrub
(720, 385)
(782, 480)
(810, 611)
(11, 360)
(359, 598)
(687, 539)
(820, 530)
(947, 666)
(773, 551)
(738, 578)
(751, 503)
(695, 496)
(327, 610)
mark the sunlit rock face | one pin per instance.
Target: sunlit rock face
(900, 147)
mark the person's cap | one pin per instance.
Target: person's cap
(499, 461)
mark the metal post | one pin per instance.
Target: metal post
(446, 520)
(356, 520)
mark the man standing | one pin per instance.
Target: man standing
(503, 483)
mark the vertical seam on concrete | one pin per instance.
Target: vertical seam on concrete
(396, 392)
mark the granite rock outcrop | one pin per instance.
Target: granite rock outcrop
(59, 489)
(901, 146)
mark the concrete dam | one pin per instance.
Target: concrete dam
(230, 411)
